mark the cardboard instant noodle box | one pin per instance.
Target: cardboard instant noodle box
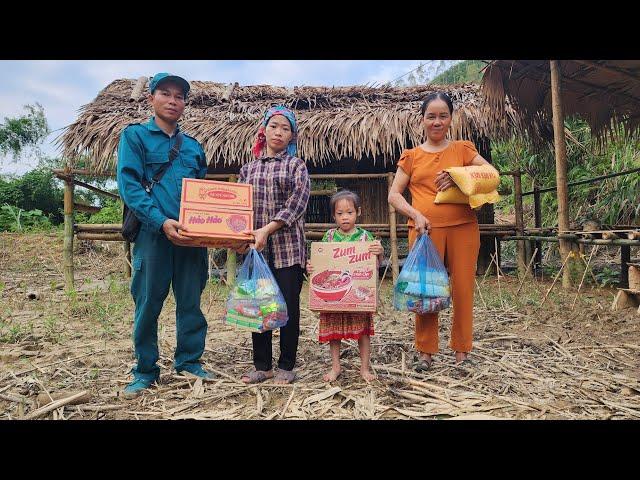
(216, 212)
(344, 277)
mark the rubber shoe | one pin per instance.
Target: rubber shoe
(135, 389)
(198, 373)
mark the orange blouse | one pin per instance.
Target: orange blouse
(422, 168)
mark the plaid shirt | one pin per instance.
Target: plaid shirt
(281, 188)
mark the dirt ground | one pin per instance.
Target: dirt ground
(531, 362)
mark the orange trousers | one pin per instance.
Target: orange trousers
(458, 247)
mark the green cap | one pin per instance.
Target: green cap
(164, 76)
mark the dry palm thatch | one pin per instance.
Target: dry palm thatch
(358, 122)
(606, 93)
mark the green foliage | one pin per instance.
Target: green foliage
(35, 190)
(464, 72)
(323, 184)
(607, 277)
(14, 333)
(39, 190)
(610, 201)
(111, 213)
(53, 331)
(15, 219)
(442, 72)
(26, 130)
(424, 73)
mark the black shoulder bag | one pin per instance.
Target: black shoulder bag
(131, 223)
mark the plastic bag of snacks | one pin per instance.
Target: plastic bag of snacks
(255, 301)
(423, 283)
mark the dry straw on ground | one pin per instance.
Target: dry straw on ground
(531, 362)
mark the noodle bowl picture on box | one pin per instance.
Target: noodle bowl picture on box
(344, 277)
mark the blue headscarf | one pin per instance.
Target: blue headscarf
(261, 139)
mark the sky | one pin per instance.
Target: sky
(62, 87)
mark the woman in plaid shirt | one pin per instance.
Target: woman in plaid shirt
(281, 188)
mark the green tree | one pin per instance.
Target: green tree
(610, 201)
(24, 131)
(424, 73)
(35, 190)
(467, 71)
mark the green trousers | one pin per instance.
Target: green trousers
(158, 264)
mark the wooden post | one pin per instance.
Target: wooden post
(231, 254)
(561, 166)
(138, 88)
(486, 215)
(625, 259)
(517, 197)
(537, 212)
(127, 259)
(68, 234)
(393, 233)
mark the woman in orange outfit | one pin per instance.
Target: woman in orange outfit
(453, 227)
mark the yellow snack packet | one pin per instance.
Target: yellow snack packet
(454, 195)
(475, 179)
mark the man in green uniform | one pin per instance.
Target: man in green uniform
(162, 257)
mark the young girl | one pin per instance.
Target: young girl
(334, 326)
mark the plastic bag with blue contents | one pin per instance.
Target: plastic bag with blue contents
(423, 283)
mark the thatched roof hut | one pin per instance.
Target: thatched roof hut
(369, 126)
(605, 93)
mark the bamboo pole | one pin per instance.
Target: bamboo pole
(537, 212)
(331, 176)
(326, 193)
(99, 191)
(585, 241)
(138, 88)
(105, 236)
(225, 176)
(393, 233)
(625, 259)
(497, 261)
(98, 227)
(325, 226)
(525, 273)
(585, 182)
(555, 279)
(83, 172)
(232, 261)
(584, 274)
(55, 405)
(319, 176)
(317, 234)
(81, 207)
(68, 235)
(561, 165)
(517, 197)
(218, 176)
(386, 226)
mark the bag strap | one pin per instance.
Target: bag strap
(173, 154)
